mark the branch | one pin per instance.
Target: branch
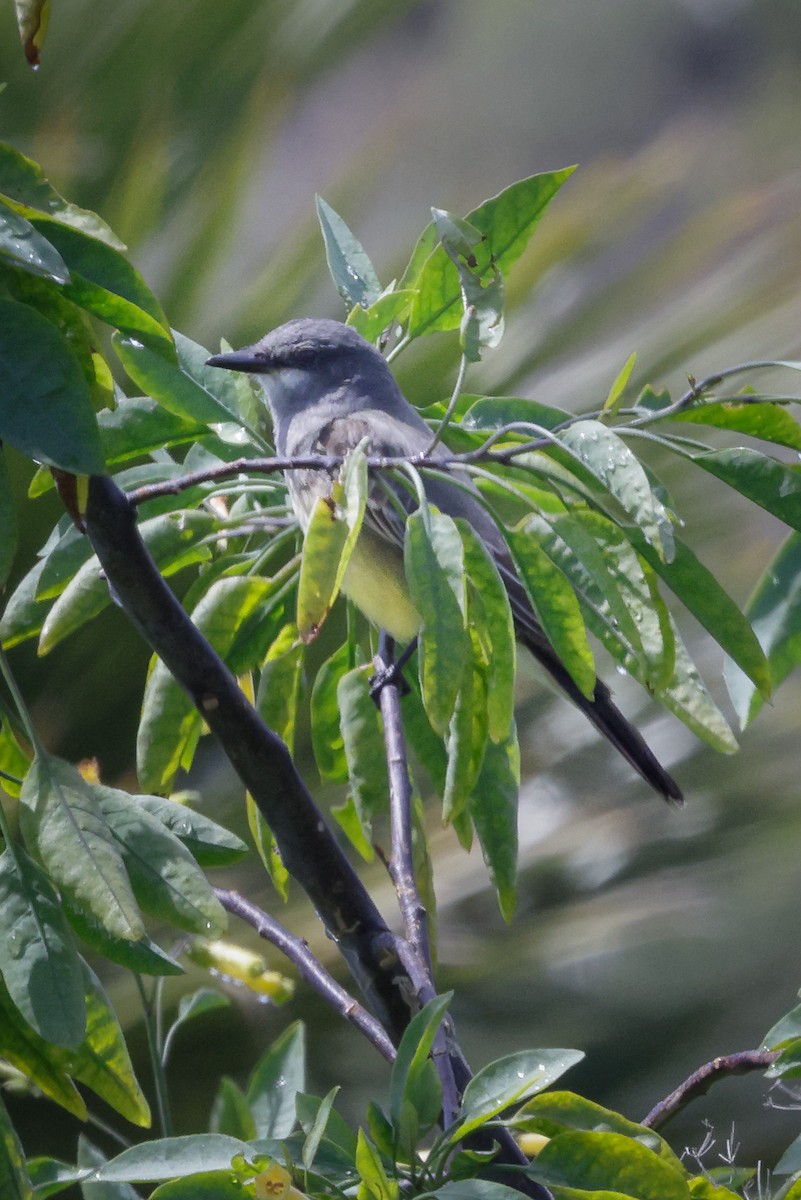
(415, 954)
(259, 757)
(265, 767)
(310, 968)
(401, 859)
(699, 1083)
(330, 462)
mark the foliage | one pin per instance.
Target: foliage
(593, 534)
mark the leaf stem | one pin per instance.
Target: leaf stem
(454, 400)
(152, 1025)
(19, 703)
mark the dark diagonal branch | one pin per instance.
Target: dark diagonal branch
(265, 767)
(309, 967)
(260, 758)
(699, 1083)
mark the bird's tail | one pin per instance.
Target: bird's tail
(601, 709)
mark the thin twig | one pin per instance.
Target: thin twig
(401, 859)
(414, 950)
(699, 388)
(699, 1083)
(309, 967)
(454, 400)
(327, 462)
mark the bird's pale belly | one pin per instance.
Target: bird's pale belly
(376, 583)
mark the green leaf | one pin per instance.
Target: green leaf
(748, 414)
(14, 760)
(36, 1059)
(166, 1158)
(609, 1162)
(23, 183)
(482, 323)
(208, 1185)
(607, 457)
(327, 741)
(434, 562)
(8, 523)
(323, 545)
(350, 267)
(38, 956)
(240, 398)
(101, 1061)
(63, 825)
(329, 542)
(280, 685)
(49, 1176)
(21, 246)
(774, 610)
(196, 1004)
(166, 880)
(493, 811)
(380, 1129)
(506, 222)
(89, 1157)
(686, 696)
(790, 1161)
(230, 1112)
(104, 283)
(469, 727)
(319, 1126)
(705, 1189)
(144, 957)
(174, 540)
(393, 308)
(277, 1078)
(553, 1111)
(139, 425)
(63, 556)
(347, 818)
(772, 485)
(615, 397)
(210, 844)
(508, 1081)
(267, 847)
(698, 589)
(15, 1183)
(556, 606)
(488, 413)
(413, 1051)
(375, 1184)
(174, 388)
(365, 753)
(170, 724)
(613, 586)
(45, 403)
(476, 1189)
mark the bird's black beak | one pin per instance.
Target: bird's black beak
(237, 360)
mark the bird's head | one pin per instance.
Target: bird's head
(308, 359)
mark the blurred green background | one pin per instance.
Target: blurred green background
(652, 938)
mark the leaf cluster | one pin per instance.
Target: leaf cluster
(271, 1138)
(594, 537)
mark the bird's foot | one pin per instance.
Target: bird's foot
(389, 673)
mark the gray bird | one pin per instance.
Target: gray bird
(327, 389)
